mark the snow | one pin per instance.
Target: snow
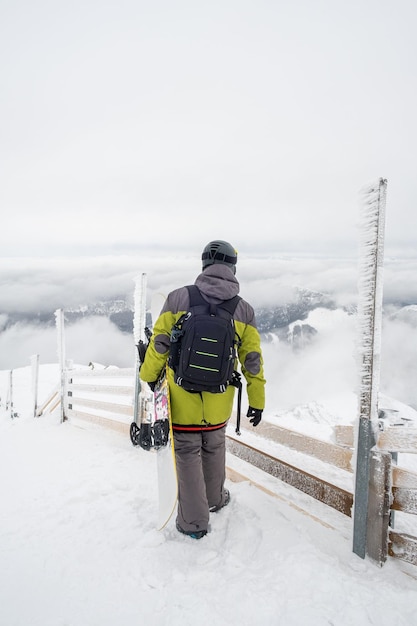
(79, 546)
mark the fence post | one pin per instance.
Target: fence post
(370, 322)
(378, 506)
(59, 316)
(35, 377)
(139, 323)
(11, 394)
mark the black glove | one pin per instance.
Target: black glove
(255, 414)
(142, 347)
(145, 436)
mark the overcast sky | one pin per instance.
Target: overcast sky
(176, 122)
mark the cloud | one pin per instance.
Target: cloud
(323, 370)
(399, 361)
(3, 321)
(46, 284)
(19, 342)
(30, 285)
(400, 283)
(35, 285)
(328, 368)
(98, 340)
(94, 339)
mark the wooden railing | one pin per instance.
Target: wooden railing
(102, 396)
(399, 493)
(319, 488)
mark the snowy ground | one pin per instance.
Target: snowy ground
(79, 547)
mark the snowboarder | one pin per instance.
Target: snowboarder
(199, 419)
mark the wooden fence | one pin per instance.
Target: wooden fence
(392, 488)
(102, 396)
(106, 397)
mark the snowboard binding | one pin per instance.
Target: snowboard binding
(160, 433)
(150, 436)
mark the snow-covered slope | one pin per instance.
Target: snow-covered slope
(79, 545)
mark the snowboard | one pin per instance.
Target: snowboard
(165, 453)
(161, 440)
(152, 410)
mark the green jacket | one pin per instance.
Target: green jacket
(217, 283)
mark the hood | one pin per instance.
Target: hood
(218, 283)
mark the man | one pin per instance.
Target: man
(199, 419)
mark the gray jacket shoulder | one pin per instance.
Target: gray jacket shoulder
(244, 313)
(178, 300)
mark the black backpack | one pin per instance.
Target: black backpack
(204, 345)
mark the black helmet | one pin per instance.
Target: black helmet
(219, 252)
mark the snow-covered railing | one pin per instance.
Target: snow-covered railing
(106, 397)
(289, 468)
(50, 403)
(102, 396)
(392, 488)
(290, 473)
(338, 455)
(91, 395)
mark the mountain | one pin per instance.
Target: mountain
(285, 322)
(120, 312)
(407, 314)
(116, 310)
(270, 319)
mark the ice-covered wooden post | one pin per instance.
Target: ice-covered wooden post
(11, 394)
(139, 322)
(370, 322)
(59, 316)
(35, 376)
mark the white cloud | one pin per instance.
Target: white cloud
(324, 369)
(399, 361)
(94, 339)
(46, 284)
(19, 342)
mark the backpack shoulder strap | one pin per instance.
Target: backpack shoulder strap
(195, 296)
(197, 299)
(230, 305)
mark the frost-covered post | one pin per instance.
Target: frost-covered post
(11, 394)
(35, 376)
(370, 285)
(139, 322)
(59, 316)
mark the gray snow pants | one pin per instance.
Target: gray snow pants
(200, 458)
